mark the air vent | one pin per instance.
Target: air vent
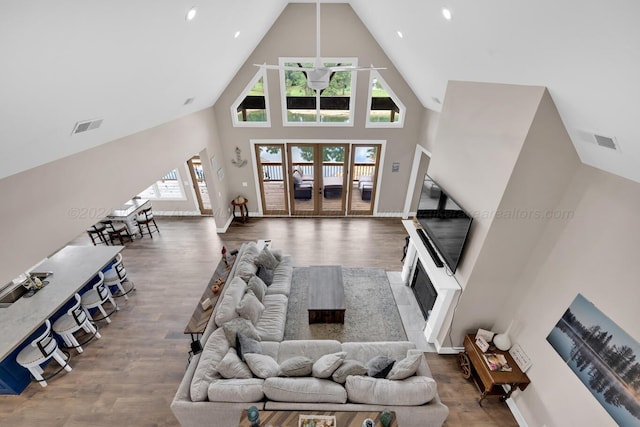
(605, 141)
(87, 125)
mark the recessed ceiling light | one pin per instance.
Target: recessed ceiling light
(236, 35)
(191, 14)
(446, 13)
(400, 34)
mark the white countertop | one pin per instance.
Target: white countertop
(72, 267)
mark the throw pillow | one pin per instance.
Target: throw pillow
(406, 367)
(348, 367)
(250, 307)
(226, 309)
(266, 275)
(298, 366)
(277, 253)
(245, 345)
(239, 325)
(258, 287)
(266, 259)
(232, 367)
(327, 364)
(261, 365)
(245, 269)
(379, 366)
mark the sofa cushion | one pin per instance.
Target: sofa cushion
(413, 391)
(266, 274)
(232, 367)
(261, 365)
(365, 351)
(379, 366)
(257, 286)
(236, 390)
(281, 282)
(244, 326)
(206, 371)
(348, 367)
(266, 259)
(304, 389)
(245, 267)
(298, 366)
(270, 326)
(313, 349)
(250, 307)
(405, 367)
(325, 366)
(226, 308)
(245, 345)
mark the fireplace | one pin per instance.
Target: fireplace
(424, 291)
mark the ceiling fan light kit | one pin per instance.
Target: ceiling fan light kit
(319, 75)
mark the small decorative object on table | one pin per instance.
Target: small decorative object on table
(215, 288)
(253, 415)
(224, 257)
(497, 362)
(317, 421)
(386, 417)
(368, 422)
(502, 341)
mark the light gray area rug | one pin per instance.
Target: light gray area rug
(371, 313)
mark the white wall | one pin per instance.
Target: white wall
(45, 207)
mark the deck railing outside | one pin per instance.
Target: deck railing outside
(273, 170)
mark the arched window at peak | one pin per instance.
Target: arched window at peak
(251, 108)
(385, 109)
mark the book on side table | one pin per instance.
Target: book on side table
(497, 362)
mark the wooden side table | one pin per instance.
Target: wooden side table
(490, 382)
(240, 202)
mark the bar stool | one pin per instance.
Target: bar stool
(145, 217)
(96, 232)
(117, 231)
(116, 276)
(75, 319)
(39, 351)
(96, 297)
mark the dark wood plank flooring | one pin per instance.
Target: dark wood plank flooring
(129, 377)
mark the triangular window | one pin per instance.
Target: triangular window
(385, 109)
(251, 109)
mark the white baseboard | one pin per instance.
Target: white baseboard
(388, 214)
(223, 229)
(177, 213)
(516, 413)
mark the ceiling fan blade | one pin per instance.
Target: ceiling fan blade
(283, 67)
(354, 68)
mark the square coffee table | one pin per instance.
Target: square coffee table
(326, 302)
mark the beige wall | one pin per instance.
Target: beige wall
(343, 35)
(45, 207)
(593, 253)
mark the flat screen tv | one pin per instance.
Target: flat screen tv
(444, 221)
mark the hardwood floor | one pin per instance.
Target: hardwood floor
(129, 377)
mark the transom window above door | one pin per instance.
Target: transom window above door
(304, 106)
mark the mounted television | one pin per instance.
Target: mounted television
(444, 221)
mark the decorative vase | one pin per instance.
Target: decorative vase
(386, 417)
(253, 415)
(502, 341)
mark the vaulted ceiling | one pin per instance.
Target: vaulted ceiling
(133, 64)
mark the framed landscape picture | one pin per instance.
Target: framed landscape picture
(603, 356)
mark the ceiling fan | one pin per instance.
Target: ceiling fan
(319, 75)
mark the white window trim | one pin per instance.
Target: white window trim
(403, 111)
(352, 98)
(234, 107)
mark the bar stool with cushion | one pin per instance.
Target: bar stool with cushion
(145, 217)
(117, 231)
(39, 351)
(116, 276)
(75, 319)
(96, 297)
(96, 232)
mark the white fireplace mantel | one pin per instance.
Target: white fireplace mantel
(443, 281)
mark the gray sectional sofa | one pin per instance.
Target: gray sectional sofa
(272, 377)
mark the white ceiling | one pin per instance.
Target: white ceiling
(134, 63)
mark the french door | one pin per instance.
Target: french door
(317, 178)
(313, 179)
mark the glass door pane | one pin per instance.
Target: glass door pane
(273, 186)
(364, 177)
(334, 179)
(302, 181)
(200, 185)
